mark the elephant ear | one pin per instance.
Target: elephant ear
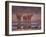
(18, 16)
(29, 17)
(25, 17)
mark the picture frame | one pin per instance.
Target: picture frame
(24, 18)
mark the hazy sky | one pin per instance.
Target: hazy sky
(22, 9)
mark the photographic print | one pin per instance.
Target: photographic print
(24, 18)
